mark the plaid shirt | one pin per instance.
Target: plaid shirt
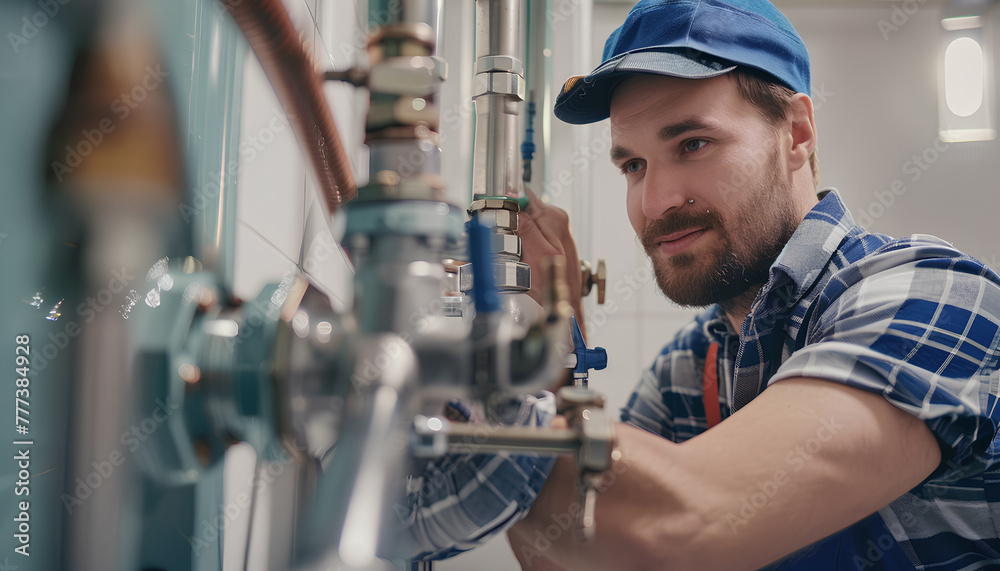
(912, 319)
(464, 499)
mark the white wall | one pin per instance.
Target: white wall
(282, 224)
(882, 109)
(277, 194)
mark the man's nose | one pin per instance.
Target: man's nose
(661, 193)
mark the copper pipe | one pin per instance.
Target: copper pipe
(299, 87)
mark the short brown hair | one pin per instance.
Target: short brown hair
(771, 99)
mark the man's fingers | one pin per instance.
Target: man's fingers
(550, 221)
(559, 422)
(534, 239)
(534, 201)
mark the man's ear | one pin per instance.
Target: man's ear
(801, 136)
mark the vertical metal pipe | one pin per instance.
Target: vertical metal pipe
(457, 46)
(402, 125)
(213, 106)
(538, 77)
(499, 90)
(496, 28)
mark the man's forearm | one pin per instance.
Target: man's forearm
(530, 552)
(677, 506)
(546, 536)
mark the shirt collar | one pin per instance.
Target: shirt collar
(813, 243)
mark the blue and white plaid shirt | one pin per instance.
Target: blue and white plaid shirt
(464, 499)
(912, 318)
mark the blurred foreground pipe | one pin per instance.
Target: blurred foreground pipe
(288, 67)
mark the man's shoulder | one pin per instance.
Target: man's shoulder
(919, 270)
(866, 255)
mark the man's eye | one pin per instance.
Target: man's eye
(694, 145)
(631, 167)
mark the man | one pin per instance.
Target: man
(873, 445)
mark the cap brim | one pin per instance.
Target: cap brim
(588, 99)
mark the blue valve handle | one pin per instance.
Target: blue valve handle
(586, 359)
(484, 289)
(528, 146)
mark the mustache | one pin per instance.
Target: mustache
(677, 222)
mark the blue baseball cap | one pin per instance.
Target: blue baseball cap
(694, 39)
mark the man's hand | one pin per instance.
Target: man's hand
(544, 231)
(678, 506)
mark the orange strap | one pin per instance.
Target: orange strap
(710, 387)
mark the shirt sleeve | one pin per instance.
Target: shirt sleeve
(462, 500)
(922, 330)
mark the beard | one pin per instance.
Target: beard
(763, 220)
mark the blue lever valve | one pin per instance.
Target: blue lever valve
(586, 359)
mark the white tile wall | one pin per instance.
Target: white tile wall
(637, 332)
(272, 168)
(879, 115)
(283, 226)
(277, 191)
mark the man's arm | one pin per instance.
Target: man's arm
(801, 461)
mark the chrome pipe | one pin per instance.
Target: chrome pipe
(499, 89)
(496, 28)
(538, 76)
(354, 496)
(490, 439)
